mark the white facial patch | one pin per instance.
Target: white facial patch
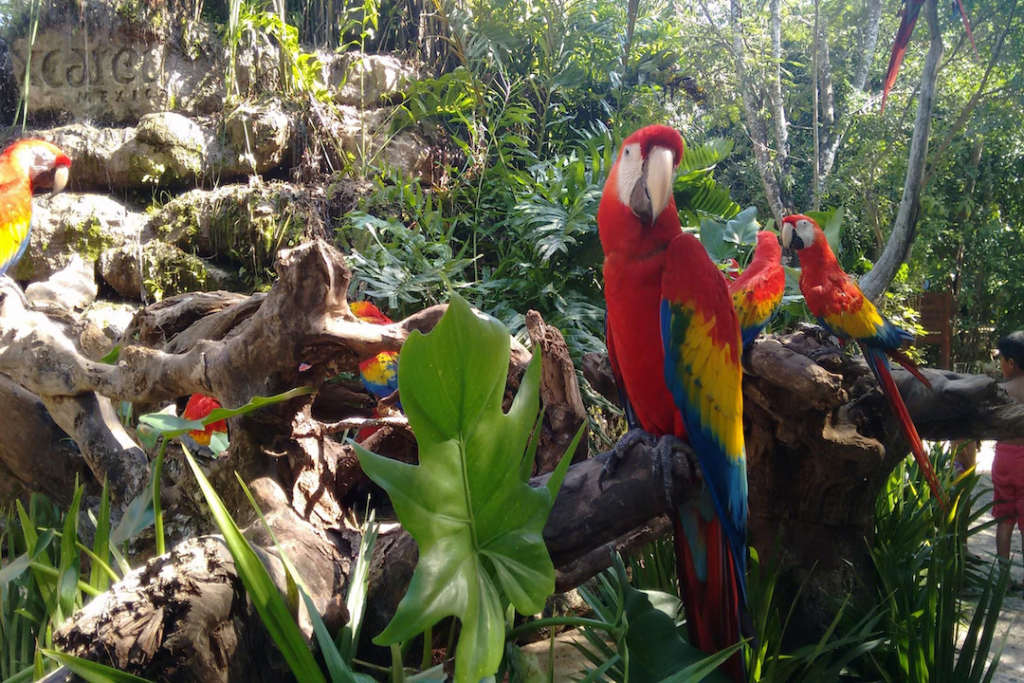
(631, 167)
(805, 229)
(42, 162)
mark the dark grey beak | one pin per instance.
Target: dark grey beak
(640, 200)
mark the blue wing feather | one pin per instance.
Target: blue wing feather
(725, 477)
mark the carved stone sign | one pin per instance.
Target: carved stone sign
(108, 77)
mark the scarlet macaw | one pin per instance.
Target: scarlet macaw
(842, 309)
(757, 293)
(25, 166)
(910, 12)
(197, 408)
(661, 285)
(380, 373)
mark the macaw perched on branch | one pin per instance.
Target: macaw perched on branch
(910, 12)
(674, 344)
(25, 167)
(380, 373)
(757, 292)
(842, 309)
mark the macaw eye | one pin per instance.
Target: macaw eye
(627, 152)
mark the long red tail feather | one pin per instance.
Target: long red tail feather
(876, 361)
(910, 366)
(899, 49)
(712, 607)
(967, 26)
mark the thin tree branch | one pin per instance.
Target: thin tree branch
(775, 89)
(877, 281)
(816, 177)
(757, 128)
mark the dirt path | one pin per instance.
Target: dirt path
(983, 544)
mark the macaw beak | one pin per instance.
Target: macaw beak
(790, 240)
(60, 179)
(654, 188)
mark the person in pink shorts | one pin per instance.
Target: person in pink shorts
(1008, 467)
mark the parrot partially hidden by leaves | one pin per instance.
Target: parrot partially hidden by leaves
(674, 345)
(757, 292)
(842, 309)
(378, 374)
(198, 407)
(26, 167)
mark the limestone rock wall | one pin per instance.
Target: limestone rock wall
(175, 185)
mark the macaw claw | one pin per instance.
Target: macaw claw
(664, 457)
(628, 440)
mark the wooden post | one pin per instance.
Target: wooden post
(937, 320)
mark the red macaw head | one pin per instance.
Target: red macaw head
(198, 407)
(800, 232)
(768, 246)
(643, 171)
(367, 312)
(639, 190)
(43, 163)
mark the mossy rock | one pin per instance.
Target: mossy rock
(243, 224)
(82, 224)
(161, 270)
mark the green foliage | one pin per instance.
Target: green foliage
(723, 241)
(649, 641)
(468, 504)
(41, 583)
(921, 572)
(90, 671)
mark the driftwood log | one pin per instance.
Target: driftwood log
(820, 444)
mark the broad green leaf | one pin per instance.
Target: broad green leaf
(355, 601)
(137, 517)
(112, 355)
(219, 442)
(260, 587)
(657, 651)
(712, 236)
(91, 671)
(256, 403)
(70, 560)
(476, 519)
(165, 423)
(21, 563)
(23, 676)
(743, 228)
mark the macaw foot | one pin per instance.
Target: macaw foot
(629, 439)
(664, 457)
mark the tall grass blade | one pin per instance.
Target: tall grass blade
(99, 577)
(261, 588)
(93, 672)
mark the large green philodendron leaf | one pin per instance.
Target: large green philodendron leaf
(468, 504)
